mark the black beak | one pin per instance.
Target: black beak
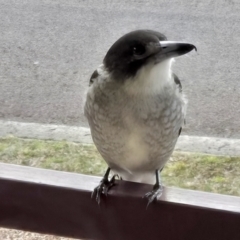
(171, 49)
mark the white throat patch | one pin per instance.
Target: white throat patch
(150, 79)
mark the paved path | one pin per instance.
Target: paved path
(49, 48)
(209, 145)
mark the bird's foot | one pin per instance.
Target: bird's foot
(154, 194)
(104, 187)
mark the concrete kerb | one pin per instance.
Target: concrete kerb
(209, 145)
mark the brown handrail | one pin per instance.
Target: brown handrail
(59, 203)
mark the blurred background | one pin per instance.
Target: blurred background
(49, 48)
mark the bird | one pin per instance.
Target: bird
(136, 109)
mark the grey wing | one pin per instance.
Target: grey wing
(178, 83)
(93, 77)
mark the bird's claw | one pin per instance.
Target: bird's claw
(103, 188)
(154, 194)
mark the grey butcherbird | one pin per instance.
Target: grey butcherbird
(136, 109)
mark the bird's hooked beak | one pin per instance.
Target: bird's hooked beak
(171, 49)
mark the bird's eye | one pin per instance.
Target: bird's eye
(138, 50)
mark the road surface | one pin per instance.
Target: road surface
(49, 48)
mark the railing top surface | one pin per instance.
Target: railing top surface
(87, 183)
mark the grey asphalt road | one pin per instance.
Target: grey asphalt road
(49, 48)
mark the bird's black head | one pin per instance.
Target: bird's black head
(135, 49)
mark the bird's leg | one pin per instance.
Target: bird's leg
(104, 185)
(157, 190)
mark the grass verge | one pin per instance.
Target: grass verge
(186, 170)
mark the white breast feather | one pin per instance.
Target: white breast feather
(150, 79)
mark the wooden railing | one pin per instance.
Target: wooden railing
(60, 203)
